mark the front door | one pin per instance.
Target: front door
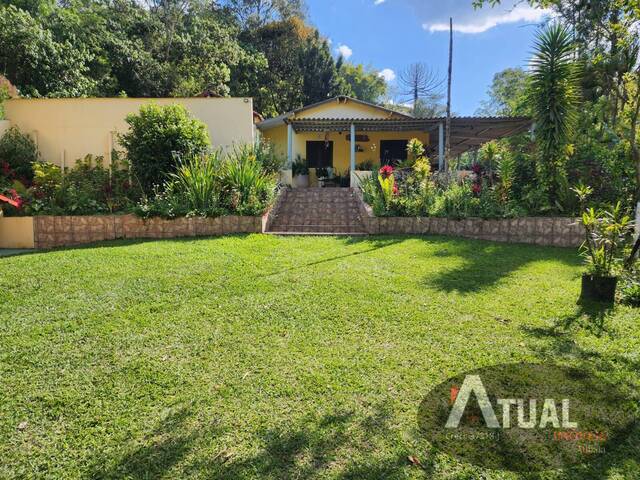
(392, 152)
(320, 154)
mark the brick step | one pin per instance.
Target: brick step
(318, 211)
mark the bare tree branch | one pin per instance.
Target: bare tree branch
(418, 81)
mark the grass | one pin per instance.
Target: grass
(267, 357)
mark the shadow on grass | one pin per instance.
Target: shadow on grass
(374, 243)
(485, 264)
(558, 342)
(314, 446)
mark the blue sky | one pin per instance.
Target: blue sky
(391, 34)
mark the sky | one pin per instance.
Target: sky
(391, 34)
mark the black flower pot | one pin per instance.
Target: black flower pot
(602, 289)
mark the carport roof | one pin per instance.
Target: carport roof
(467, 133)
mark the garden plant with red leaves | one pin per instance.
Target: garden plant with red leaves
(386, 171)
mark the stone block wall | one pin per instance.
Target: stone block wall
(60, 231)
(550, 231)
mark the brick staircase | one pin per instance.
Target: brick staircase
(317, 211)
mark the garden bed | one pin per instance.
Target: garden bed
(551, 231)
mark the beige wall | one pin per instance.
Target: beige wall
(4, 126)
(68, 129)
(16, 232)
(341, 147)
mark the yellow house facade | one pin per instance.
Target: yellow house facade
(344, 134)
(321, 135)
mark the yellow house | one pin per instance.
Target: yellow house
(344, 133)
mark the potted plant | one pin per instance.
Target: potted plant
(606, 232)
(300, 172)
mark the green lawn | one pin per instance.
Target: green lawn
(268, 357)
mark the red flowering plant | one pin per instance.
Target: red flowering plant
(476, 187)
(386, 171)
(387, 184)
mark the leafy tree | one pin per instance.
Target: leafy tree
(257, 13)
(36, 63)
(364, 83)
(553, 96)
(507, 94)
(158, 137)
(320, 75)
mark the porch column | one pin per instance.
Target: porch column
(440, 146)
(353, 147)
(289, 146)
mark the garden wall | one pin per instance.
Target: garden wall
(66, 129)
(550, 231)
(64, 231)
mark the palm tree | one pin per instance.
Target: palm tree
(554, 96)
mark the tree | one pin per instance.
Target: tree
(300, 68)
(36, 63)
(554, 96)
(320, 75)
(257, 13)
(430, 107)
(364, 83)
(507, 94)
(418, 81)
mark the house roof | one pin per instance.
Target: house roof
(282, 119)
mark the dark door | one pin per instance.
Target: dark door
(392, 152)
(320, 154)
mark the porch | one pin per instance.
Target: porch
(346, 145)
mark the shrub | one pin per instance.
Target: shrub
(197, 179)
(17, 152)
(87, 188)
(157, 138)
(265, 156)
(4, 95)
(246, 187)
(299, 167)
(630, 288)
(606, 232)
(166, 203)
(365, 166)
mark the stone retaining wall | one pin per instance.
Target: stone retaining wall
(551, 231)
(50, 231)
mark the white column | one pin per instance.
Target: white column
(289, 146)
(440, 146)
(353, 147)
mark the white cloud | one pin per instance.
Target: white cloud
(345, 51)
(378, 2)
(466, 19)
(388, 75)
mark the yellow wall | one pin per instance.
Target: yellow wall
(16, 232)
(341, 147)
(348, 109)
(68, 129)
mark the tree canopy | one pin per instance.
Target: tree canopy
(258, 48)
